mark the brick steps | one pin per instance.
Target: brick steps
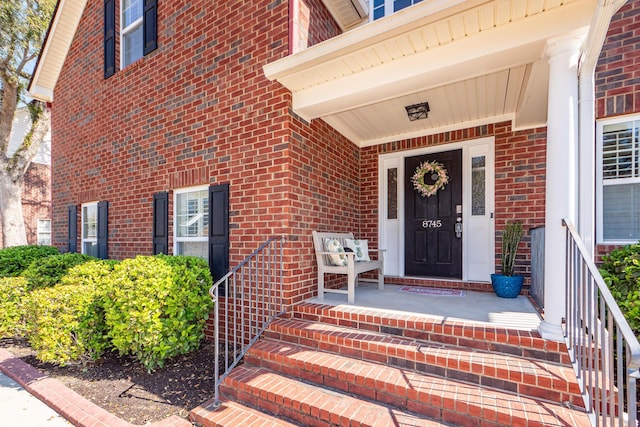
(523, 376)
(311, 405)
(438, 398)
(233, 414)
(356, 366)
(477, 336)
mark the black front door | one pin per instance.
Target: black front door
(432, 247)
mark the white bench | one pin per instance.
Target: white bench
(352, 269)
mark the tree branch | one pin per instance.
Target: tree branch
(21, 159)
(7, 110)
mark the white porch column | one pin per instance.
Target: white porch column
(561, 176)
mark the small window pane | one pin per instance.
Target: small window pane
(90, 222)
(44, 232)
(132, 45)
(478, 186)
(621, 212)
(620, 151)
(197, 249)
(192, 214)
(131, 11)
(392, 193)
(90, 248)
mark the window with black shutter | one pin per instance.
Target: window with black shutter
(72, 228)
(161, 223)
(138, 32)
(103, 229)
(109, 38)
(219, 230)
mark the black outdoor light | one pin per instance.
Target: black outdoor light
(418, 111)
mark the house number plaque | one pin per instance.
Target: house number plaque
(432, 223)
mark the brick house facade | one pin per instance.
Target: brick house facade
(203, 108)
(617, 85)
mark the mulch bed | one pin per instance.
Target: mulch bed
(123, 387)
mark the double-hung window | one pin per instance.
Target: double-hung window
(619, 178)
(138, 32)
(131, 31)
(191, 222)
(381, 8)
(90, 229)
(44, 232)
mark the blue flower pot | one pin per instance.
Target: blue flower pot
(507, 286)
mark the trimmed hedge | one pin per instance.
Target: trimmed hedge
(66, 322)
(12, 294)
(47, 272)
(621, 272)
(157, 306)
(14, 260)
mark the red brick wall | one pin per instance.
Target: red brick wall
(197, 111)
(36, 199)
(617, 83)
(520, 167)
(617, 74)
(314, 24)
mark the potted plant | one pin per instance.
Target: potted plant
(508, 285)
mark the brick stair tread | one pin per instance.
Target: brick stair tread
(514, 373)
(475, 335)
(316, 405)
(233, 414)
(419, 392)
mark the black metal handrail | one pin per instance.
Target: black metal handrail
(252, 298)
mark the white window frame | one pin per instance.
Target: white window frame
(600, 180)
(176, 239)
(126, 30)
(41, 232)
(86, 239)
(388, 8)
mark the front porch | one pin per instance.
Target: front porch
(401, 358)
(453, 306)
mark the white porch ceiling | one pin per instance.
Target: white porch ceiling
(475, 62)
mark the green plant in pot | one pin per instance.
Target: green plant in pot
(508, 285)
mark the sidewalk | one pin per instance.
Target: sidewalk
(19, 408)
(24, 389)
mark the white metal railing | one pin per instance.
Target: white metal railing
(250, 297)
(604, 350)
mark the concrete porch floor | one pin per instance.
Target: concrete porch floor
(473, 307)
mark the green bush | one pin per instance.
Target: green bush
(49, 271)
(14, 260)
(66, 322)
(621, 272)
(94, 271)
(12, 293)
(157, 307)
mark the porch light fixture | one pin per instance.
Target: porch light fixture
(418, 111)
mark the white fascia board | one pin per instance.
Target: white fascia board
(44, 94)
(367, 35)
(514, 44)
(61, 33)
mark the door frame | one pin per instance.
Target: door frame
(391, 232)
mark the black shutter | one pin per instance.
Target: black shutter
(218, 230)
(109, 38)
(150, 23)
(161, 223)
(72, 227)
(103, 229)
